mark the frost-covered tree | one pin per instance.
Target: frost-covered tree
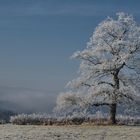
(109, 65)
(68, 104)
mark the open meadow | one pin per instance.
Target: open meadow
(83, 132)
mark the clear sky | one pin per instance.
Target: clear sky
(38, 37)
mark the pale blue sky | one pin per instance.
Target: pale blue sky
(38, 37)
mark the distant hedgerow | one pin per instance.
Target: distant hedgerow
(44, 119)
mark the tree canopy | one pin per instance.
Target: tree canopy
(110, 64)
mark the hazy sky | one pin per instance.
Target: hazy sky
(38, 37)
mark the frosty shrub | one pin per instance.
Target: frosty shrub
(31, 119)
(68, 104)
(97, 118)
(44, 119)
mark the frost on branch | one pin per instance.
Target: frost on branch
(110, 65)
(68, 103)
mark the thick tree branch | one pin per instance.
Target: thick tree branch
(100, 104)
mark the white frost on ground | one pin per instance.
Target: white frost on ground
(15, 132)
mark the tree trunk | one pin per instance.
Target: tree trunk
(113, 108)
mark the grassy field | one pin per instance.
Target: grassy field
(15, 132)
